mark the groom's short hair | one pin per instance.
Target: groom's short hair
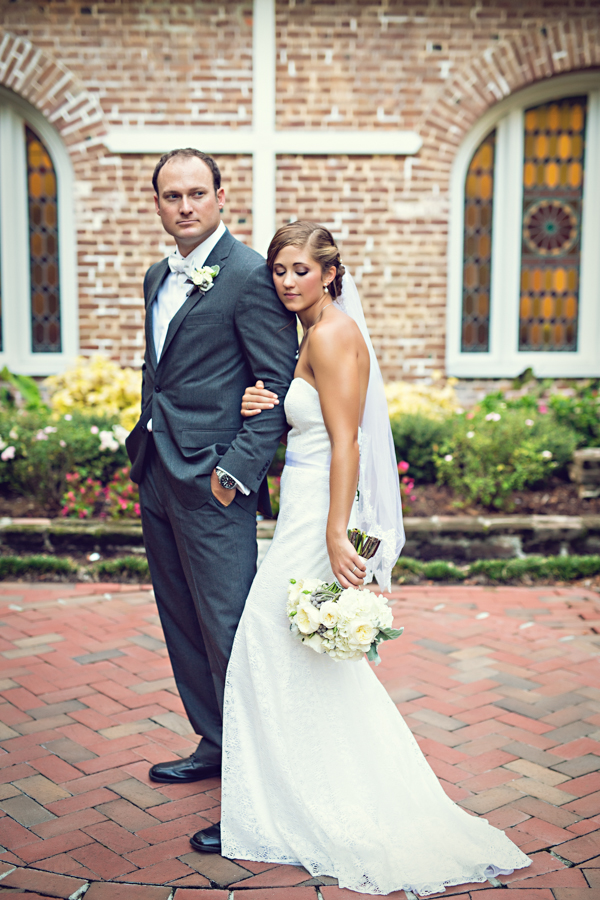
(188, 152)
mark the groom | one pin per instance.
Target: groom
(200, 466)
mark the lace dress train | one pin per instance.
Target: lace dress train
(319, 768)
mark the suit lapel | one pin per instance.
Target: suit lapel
(161, 274)
(217, 257)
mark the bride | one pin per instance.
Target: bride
(319, 768)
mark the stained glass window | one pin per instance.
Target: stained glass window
(43, 247)
(552, 203)
(477, 248)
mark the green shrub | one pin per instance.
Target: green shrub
(134, 568)
(562, 568)
(579, 409)
(37, 451)
(502, 571)
(581, 413)
(490, 455)
(440, 570)
(416, 439)
(20, 566)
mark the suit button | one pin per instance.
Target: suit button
(157, 389)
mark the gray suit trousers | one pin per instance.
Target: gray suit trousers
(202, 564)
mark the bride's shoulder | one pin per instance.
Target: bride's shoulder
(335, 331)
(335, 326)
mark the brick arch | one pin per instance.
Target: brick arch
(529, 55)
(52, 89)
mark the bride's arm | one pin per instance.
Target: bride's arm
(333, 357)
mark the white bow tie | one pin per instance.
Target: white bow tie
(179, 266)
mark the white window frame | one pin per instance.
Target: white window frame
(504, 360)
(14, 242)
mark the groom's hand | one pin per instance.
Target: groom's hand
(224, 496)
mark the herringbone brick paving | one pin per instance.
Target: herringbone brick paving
(501, 687)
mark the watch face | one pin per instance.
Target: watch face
(226, 481)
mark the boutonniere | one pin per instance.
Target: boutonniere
(204, 277)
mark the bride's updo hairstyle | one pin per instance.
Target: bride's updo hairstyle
(318, 241)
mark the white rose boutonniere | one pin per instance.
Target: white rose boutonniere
(204, 277)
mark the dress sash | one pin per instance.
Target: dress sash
(305, 460)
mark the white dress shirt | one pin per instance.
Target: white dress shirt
(173, 293)
(174, 290)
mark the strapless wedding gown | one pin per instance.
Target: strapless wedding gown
(319, 768)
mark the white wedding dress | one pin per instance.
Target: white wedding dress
(319, 768)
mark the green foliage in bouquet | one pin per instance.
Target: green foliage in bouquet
(490, 455)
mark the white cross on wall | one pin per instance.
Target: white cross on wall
(263, 141)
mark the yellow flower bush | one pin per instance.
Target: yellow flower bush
(435, 401)
(97, 384)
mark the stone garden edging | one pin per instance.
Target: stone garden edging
(455, 538)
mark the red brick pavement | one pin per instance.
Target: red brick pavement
(501, 687)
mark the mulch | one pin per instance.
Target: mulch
(558, 498)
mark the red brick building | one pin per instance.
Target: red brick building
(452, 147)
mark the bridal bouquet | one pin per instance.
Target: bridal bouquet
(342, 623)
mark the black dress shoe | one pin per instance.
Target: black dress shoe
(179, 771)
(208, 840)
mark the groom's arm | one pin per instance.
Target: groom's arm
(267, 333)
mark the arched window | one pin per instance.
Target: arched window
(524, 273)
(38, 301)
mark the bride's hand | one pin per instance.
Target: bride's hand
(256, 399)
(346, 564)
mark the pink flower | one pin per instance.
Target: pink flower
(9, 453)
(470, 415)
(413, 496)
(542, 409)
(41, 436)
(403, 466)
(82, 513)
(136, 509)
(94, 429)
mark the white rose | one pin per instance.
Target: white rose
(386, 618)
(349, 601)
(330, 614)
(294, 594)
(361, 634)
(308, 617)
(316, 642)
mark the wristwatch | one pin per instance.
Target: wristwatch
(225, 480)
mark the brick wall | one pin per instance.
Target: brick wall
(431, 67)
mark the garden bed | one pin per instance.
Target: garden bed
(557, 498)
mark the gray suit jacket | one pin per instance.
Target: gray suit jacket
(216, 344)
